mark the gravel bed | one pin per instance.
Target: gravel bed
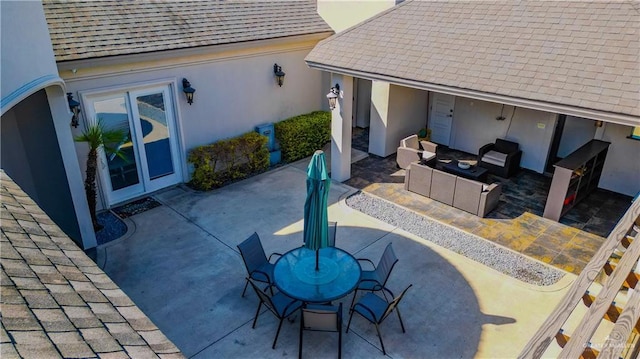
(113, 227)
(470, 246)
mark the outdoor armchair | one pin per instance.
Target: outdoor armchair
(324, 318)
(375, 280)
(411, 150)
(501, 158)
(255, 260)
(281, 305)
(376, 309)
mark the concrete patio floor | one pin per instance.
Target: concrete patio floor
(180, 264)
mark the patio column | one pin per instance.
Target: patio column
(379, 118)
(341, 122)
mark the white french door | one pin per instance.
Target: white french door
(150, 149)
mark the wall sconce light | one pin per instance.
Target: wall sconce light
(74, 106)
(598, 123)
(188, 90)
(332, 96)
(277, 71)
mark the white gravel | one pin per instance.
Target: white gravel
(469, 245)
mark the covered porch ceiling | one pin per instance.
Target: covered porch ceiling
(574, 58)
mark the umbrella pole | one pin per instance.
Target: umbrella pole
(317, 257)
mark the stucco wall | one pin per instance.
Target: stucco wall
(577, 131)
(408, 114)
(621, 171)
(26, 54)
(342, 14)
(396, 112)
(31, 155)
(475, 124)
(235, 91)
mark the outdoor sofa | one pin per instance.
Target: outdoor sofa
(412, 149)
(465, 194)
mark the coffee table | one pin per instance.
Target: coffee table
(474, 172)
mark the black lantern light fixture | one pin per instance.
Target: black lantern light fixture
(332, 96)
(74, 106)
(277, 71)
(188, 90)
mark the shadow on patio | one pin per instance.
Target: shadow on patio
(181, 267)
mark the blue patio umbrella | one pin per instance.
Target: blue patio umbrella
(316, 222)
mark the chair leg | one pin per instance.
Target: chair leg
(399, 317)
(380, 337)
(339, 342)
(256, 318)
(300, 344)
(245, 287)
(277, 333)
(355, 293)
(350, 316)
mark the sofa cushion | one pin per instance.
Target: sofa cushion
(467, 195)
(495, 158)
(418, 179)
(428, 156)
(443, 186)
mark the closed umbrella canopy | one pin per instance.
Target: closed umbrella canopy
(316, 222)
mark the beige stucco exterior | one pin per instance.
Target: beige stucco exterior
(235, 87)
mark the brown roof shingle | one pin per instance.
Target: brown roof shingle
(88, 29)
(56, 302)
(582, 54)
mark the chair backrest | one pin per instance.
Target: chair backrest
(252, 253)
(393, 304)
(264, 297)
(326, 318)
(410, 142)
(506, 146)
(387, 261)
(333, 227)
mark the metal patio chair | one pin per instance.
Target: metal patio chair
(375, 280)
(259, 267)
(281, 305)
(376, 309)
(324, 318)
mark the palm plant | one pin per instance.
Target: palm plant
(98, 135)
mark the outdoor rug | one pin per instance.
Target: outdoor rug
(135, 207)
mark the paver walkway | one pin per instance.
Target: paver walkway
(562, 246)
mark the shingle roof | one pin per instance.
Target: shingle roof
(89, 29)
(55, 301)
(576, 53)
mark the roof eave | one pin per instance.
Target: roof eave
(619, 118)
(189, 51)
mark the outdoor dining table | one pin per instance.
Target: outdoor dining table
(295, 274)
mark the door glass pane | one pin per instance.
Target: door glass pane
(153, 121)
(113, 114)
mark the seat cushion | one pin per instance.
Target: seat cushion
(428, 156)
(495, 158)
(411, 142)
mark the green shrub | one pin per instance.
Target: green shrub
(302, 135)
(228, 160)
